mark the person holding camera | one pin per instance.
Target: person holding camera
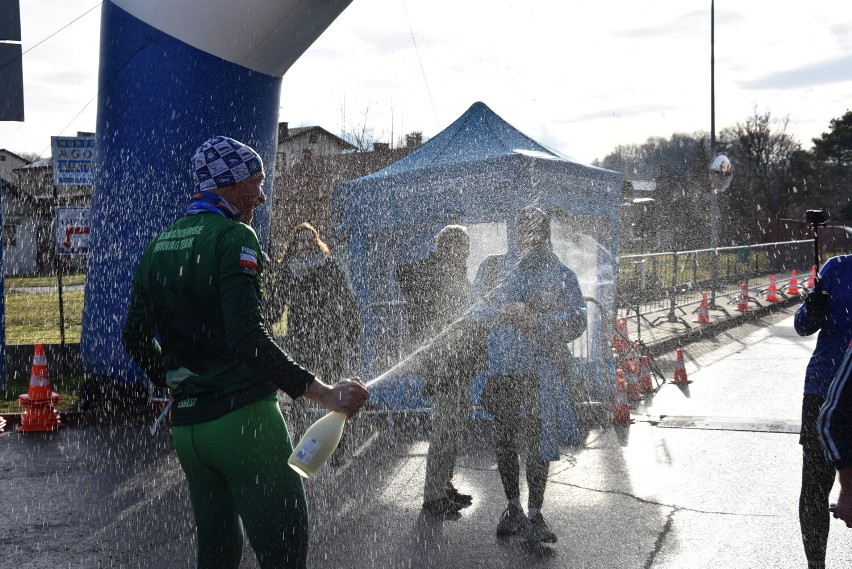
(827, 309)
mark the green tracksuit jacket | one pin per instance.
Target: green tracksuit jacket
(195, 320)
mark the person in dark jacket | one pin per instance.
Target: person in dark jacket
(533, 306)
(436, 292)
(195, 323)
(828, 310)
(835, 428)
(321, 328)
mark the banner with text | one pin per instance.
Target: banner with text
(72, 230)
(73, 160)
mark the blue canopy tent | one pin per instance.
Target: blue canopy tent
(478, 172)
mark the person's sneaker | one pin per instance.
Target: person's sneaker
(459, 499)
(537, 530)
(512, 521)
(442, 507)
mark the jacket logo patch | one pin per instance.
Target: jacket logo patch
(248, 259)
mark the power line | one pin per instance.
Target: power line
(107, 84)
(51, 35)
(41, 42)
(422, 69)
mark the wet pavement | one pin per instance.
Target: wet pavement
(706, 477)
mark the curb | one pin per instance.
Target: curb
(709, 330)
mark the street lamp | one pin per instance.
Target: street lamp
(721, 169)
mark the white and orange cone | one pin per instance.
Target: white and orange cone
(772, 291)
(680, 377)
(703, 309)
(621, 409)
(645, 385)
(39, 400)
(620, 339)
(793, 287)
(631, 372)
(742, 305)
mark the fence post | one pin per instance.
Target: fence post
(673, 297)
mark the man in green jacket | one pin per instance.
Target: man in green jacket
(195, 324)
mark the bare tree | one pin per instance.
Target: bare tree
(359, 133)
(765, 158)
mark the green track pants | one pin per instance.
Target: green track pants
(238, 477)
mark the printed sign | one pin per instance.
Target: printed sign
(73, 160)
(72, 230)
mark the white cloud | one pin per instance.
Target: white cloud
(579, 77)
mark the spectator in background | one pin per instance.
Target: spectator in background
(533, 306)
(321, 325)
(827, 310)
(436, 291)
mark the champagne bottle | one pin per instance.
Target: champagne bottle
(317, 444)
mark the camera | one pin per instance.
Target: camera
(816, 216)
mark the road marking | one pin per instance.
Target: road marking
(756, 425)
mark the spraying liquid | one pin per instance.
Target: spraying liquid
(321, 438)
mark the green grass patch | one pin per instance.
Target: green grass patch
(49, 281)
(68, 387)
(33, 317)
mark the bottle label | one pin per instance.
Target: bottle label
(310, 446)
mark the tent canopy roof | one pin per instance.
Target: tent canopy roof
(478, 135)
(478, 166)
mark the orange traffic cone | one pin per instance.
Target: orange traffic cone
(742, 305)
(39, 401)
(620, 339)
(793, 287)
(703, 310)
(645, 385)
(772, 292)
(811, 278)
(631, 372)
(680, 370)
(621, 410)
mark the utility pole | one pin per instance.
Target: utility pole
(714, 200)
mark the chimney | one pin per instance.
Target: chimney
(414, 139)
(283, 131)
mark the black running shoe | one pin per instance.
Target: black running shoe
(442, 507)
(461, 500)
(512, 522)
(537, 530)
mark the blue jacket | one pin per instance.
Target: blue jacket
(835, 417)
(551, 289)
(834, 331)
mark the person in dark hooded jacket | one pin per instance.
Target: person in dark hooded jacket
(436, 292)
(311, 298)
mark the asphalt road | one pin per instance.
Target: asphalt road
(706, 477)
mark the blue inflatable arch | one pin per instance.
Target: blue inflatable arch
(172, 74)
